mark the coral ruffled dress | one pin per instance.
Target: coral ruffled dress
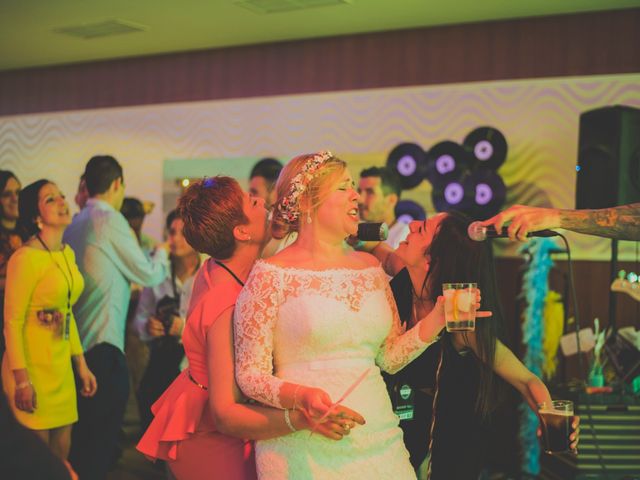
(182, 412)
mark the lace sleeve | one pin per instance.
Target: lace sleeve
(401, 346)
(254, 322)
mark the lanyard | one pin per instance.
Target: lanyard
(230, 272)
(69, 282)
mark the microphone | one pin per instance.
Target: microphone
(372, 232)
(479, 232)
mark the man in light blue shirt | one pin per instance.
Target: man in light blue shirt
(109, 258)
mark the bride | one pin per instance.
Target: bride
(317, 321)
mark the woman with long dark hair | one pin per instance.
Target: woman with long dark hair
(10, 239)
(456, 379)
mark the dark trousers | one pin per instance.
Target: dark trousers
(95, 437)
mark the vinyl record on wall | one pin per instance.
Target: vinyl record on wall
(487, 146)
(489, 193)
(452, 192)
(446, 158)
(409, 162)
(407, 211)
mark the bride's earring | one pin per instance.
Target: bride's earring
(308, 218)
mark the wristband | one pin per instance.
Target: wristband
(22, 385)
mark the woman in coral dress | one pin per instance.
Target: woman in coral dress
(201, 422)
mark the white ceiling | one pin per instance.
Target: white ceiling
(29, 37)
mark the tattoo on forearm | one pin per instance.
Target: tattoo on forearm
(621, 223)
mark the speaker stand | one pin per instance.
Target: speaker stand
(613, 302)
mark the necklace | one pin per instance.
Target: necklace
(230, 272)
(417, 301)
(68, 280)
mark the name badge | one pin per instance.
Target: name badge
(404, 402)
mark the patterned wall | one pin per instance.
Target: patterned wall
(538, 117)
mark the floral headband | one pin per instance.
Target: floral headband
(288, 207)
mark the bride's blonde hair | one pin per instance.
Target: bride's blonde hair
(302, 186)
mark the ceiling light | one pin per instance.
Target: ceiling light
(106, 28)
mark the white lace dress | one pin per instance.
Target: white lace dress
(324, 329)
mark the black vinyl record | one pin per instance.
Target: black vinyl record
(407, 211)
(446, 158)
(489, 193)
(452, 192)
(409, 162)
(487, 146)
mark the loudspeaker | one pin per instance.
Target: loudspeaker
(608, 172)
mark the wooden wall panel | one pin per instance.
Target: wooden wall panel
(581, 44)
(592, 286)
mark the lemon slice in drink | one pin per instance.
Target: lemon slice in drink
(454, 302)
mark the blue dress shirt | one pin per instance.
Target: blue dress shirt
(110, 259)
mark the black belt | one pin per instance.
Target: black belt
(196, 383)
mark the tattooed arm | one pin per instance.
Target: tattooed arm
(620, 223)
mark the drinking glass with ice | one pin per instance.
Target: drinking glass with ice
(460, 306)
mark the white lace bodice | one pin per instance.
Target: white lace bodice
(288, 316)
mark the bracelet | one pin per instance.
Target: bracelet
(24, 384)
(295, 397)
(287, 420)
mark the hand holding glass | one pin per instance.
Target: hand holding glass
(555, 422)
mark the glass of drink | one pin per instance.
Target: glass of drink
(460, 306)
(555, 420)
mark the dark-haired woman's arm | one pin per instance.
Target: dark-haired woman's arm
(534, 391)
(391, 263)
(511, 369)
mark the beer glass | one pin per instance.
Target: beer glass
(555, 420)
(460, 306)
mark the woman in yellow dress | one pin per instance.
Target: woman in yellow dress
(43, 282)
